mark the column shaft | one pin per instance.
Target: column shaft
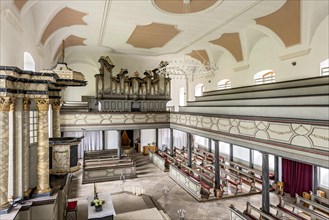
(119, 144)
(231, 152)
(217, 165)
(11, 156)
(157, 137)
(4, 149)
(18, 145)
(43, 147)
(209, 145)
(189, 150)
(26, 146)
(56, 107)
(251, 159)
(265, 184)
(276, 169)
(315, 183)
(171, 141)
(103, 140)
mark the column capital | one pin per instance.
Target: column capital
(26, 104)
(42, 104)
(56, 104)
(5, 103)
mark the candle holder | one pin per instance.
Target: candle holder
(181, 214)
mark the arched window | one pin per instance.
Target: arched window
(264, 76)
(324, 68)
(224, 84)
(199, 89)
(29, 63)
(182, 96)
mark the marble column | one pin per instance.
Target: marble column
(265, 184)
(209, 145)
(315, 183)
(18, 148)
(189, 150)
(231, 152)
(217, 165)
(11, 157)
(276, 169)
(119, 144)
(26, 146)
(43, 147)
(56, 107)
(171, 142)
(251, 159)
(5, 103)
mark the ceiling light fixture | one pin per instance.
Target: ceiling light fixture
(186, 66)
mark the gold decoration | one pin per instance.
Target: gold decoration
(26, 104)
(63, 51)
(42, 104)
(56, 104)
(5, 103)
(11, 107)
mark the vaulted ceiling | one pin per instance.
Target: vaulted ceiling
(163, 27)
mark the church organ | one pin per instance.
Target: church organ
(123, 93)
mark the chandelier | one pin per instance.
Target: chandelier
(193, 64)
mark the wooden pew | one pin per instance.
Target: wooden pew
(300, 201)
(321, 200)
(207, 185)
(296, 209)
(236, 214)
(262, 215)
(281, 213)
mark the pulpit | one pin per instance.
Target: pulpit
(63, 155)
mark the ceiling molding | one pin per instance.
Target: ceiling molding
(179, 7)
(295, 54)
(70, 41)
(12, 19)
(20, 4)
(64, 18)
(285, 22)
(231, 42)
(200, 55)
(152, 35)
(105, 18)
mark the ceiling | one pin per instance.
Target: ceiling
(163, 27)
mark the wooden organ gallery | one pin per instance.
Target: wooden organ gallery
(182, 109)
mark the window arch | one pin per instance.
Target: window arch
(199, 89)
(182, 96)
(224, 84)
(264, 76)
(324, 68)
(29, 63)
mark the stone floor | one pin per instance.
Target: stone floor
(153, 180)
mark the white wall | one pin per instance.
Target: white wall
(111, 139)
(147, 137)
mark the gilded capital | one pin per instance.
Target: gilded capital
(42, 104)
(26, 104)
(56, 104)
(5, 103)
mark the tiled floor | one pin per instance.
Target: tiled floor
(153, 181)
